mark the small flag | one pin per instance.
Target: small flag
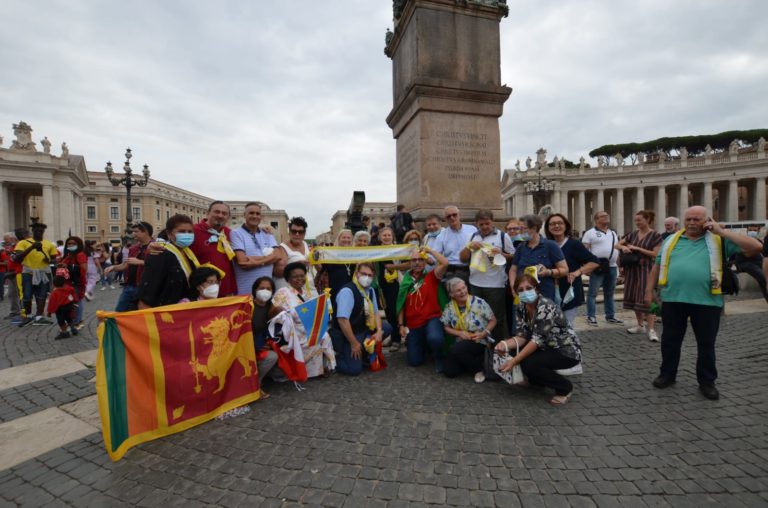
(314, 315)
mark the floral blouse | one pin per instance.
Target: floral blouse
(549, 329)
(474, 319)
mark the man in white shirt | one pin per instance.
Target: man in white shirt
(451, 241)
(601, 241)
(490, 284)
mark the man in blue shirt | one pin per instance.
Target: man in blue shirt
(255, 250)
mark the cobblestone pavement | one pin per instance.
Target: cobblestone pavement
(408, 437)
(33, 397)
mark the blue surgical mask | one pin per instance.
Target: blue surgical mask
(433, 234)
(525, 237)
(184, 239)
(752, 234)
(72, 248)
(528, 296)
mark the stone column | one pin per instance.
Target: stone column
(682, 201)
(618, 218)
(733, 201)
(600, 202)
(580, 224)
(48, 215)
(557, 201)
(759, 211)
(5, 209)
(661, 205)
(708, 196)
(67, 214)
(639, 199)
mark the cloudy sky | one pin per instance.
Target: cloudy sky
(285, 101)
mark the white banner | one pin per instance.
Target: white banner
(344, 255)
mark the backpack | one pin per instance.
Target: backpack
(398, 226)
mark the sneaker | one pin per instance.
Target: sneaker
(395, 347)
(17, 320)
(591, 320)
(89, 296)
(614, 321)
(103, 288)
(637, 329)
(479, 378)
(25, 322)
(79, 326)
(41, 321)
(73, 330)
(652, 336)
(62, 335)
(386, 342)
(111, 287)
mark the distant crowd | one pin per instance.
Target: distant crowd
(473, 299)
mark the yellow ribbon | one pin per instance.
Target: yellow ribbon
(370, 317)
(460, 322)
(224, 246)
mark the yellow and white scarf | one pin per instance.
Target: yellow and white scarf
(461, 321)
(186, 258)
(715, 249)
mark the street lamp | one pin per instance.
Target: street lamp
(129, 181)
(539, 189)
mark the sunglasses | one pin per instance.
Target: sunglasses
(297, 231)
(451, 215)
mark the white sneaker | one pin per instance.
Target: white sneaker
(652, 336)
(103, 288)
(637, 329)
(479, 377)
(387, 341)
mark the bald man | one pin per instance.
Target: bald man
(691, 291)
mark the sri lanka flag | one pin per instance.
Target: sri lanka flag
(314, 316)
(167, 369)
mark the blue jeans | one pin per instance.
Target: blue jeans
(608, 282)
(29, 290)
(345, 364)
(430, 335)
(127, 299)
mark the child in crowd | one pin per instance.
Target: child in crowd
(62, 302)
(204, 283)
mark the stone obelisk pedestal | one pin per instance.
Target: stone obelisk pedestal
(448, 98)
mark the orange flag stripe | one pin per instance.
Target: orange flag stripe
(138, 369)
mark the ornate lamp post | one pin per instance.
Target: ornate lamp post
(129, 181)
(539, 189)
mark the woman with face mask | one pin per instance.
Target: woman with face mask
(165, 278)
(569, 291)
(76, 263)
(546, 340)
(263, 311)
(539, 252)
(388, 282)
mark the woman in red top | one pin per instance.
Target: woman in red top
(76, 263)
(419, 310)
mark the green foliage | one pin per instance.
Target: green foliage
(694, 144)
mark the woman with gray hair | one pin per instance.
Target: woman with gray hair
(361, 239)
(469, 319)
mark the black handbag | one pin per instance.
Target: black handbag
(628, 259)
(605, 263)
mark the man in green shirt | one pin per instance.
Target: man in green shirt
(690, 290)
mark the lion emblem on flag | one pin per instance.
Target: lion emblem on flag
(224, 352)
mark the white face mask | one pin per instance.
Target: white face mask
(365, 280)
(211, 291)
(263, 295)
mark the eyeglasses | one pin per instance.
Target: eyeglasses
(553, 223)
(451, 215)
(297, 231)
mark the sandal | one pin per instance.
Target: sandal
(263, 395)
(559, 400)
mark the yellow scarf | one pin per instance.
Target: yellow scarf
(370, 310)
(715, 249)
(185, 256)
(461, 324)
(224, 247)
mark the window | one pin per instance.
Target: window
(114, 213)
(113, 200)
(137, 200)
(91, 229)
(157, 202)
(167, 214)
(90, 199)
(136, 213)
(157, 214)
(114, 229)
(90, 212)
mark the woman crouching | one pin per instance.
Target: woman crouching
(548, 343)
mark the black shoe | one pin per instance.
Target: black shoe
(663, 382)
(709, 391)
(62, 335)
(73, 331)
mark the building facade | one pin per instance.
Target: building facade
(731, 184)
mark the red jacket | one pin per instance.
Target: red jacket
(60, 297)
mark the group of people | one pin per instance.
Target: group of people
(465, 293)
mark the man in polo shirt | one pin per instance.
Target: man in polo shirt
(451, 241)
(212, 245)
(35, 255)
(490, 283)
(691, 290)
(601, 241)
(255, 250)
(132, 266)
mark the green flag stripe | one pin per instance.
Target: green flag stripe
(114, 362)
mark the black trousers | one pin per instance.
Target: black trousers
(705, 320)
(464, 356)
(540, 367)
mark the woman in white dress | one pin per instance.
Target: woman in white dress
(294, 250)
(318, 358)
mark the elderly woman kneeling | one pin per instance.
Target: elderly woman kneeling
(469, 319)
(547, 340)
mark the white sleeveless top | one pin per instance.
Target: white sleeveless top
(294, 256)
